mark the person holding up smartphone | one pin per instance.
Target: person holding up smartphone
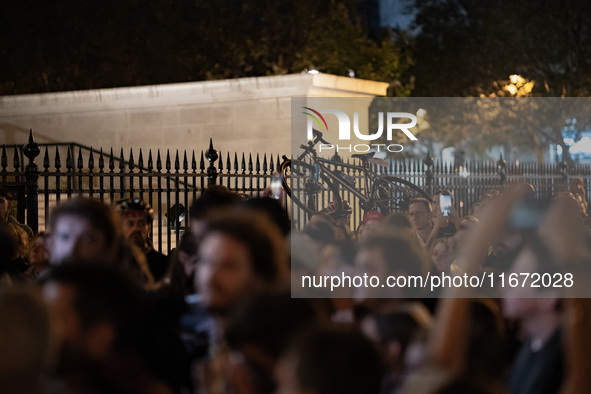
(446, 220)
(443, 202)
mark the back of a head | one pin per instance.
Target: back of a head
(273, 209)
(25, 341)
(212, 199)
(270, 322)
(264, 241)
(336, 362)
(398, 220)
(102, 295)
(401, 253)
(101, 216)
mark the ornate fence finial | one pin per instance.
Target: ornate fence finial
(31, 151)
(211, 155)
(563, 167)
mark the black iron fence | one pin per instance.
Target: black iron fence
(171, 182)
(468, 180)
(168, 182)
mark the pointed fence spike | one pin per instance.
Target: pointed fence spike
(258, 164)
(101, 161)
(91, 160)
(220, 162)
(185, 162)
(131, 161)
(46, 159)
(250, 168)
(58, 161)
(16, 161)
(121, 161)
(167, 164)
(158, 162)
(228, 163)
(235, 162)
(111, 161)
(265, 164)
(69, 159)
(80, 162)
(193, 162)
(177, 162)
(202, 163)
(271, 165)
(150, 161)
(140, 161)
(243, 164)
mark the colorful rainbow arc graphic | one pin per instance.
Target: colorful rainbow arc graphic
(315, 118)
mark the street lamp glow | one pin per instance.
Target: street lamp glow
(313, 72)
(516, 79)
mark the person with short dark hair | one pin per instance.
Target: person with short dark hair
(137, 217)
(399, 220)
(6, 198)
(211, 199)
(240, 255)
(420, 212)
(331, 362)
(271, 208)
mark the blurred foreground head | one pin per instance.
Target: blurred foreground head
(25, 341)
(261, 331)
(82, 229)
(95, 308)
(241, 254)
(331, 362)
(383, 255)
(214, 198)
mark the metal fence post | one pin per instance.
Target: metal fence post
(429, 163)
(31, 150)
(563, 166)
(501, 164)
(211, 155)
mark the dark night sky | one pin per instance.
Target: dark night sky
(57, 45)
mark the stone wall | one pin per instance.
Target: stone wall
(243, 115)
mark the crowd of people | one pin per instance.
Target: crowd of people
(89, 305)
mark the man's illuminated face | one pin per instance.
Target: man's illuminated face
(419, 215)
(136, 227)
